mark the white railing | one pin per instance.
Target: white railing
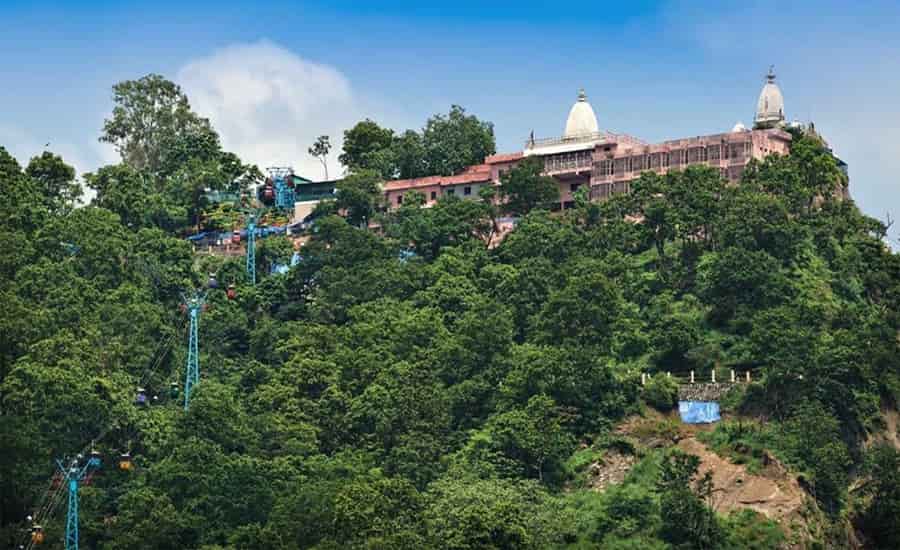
(598, 137)
(581, 138)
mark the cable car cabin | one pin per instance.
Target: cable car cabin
(37, 534)
(183, 308)
(88, 478)
(95, 459)
(125, 463)
(56, 480)
(141, 398)
(212, 282)
(231, 293)
(268, 192)
(173, 390)
(236, 237)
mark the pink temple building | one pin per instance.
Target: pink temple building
(607, 162)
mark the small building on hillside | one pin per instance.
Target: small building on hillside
(308, 193)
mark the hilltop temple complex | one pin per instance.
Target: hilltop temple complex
(607, 162)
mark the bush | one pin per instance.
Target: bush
(661, 393)
(747, 529)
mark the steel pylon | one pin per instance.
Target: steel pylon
(194, 306)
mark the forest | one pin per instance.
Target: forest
(414, 383)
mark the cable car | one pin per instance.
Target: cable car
(94, 460)
(173, 390)
(268, 193)
(231, 292)
(236, 236)
(37, 534)
(183, 308)
(56, 480)
(289, 181)
(125, 463)
(212, 282)
(141, 398)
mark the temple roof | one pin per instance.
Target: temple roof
(770, 106)
(582, 120)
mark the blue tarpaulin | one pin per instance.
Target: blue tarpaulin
(698, 412)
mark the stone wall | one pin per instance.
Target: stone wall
(703, 391)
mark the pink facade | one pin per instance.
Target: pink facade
(615, 166)
(606, 162)
(464, 185)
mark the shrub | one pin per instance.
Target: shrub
(661, 393)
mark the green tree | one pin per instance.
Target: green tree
(367, 147)
(456, 140)
(533, 436)
(149, 115)
(56, 181)
(523, 188)
(408, 152)
(359, 197)
(687, 521)
(467, 514)
(582, 312)
(320, 149)
(881, 513)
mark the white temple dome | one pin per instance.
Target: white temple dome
(582, 120)
(770, 107)
(739, 127)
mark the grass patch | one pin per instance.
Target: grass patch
(575, 467)
(742, 441)
(664, 428)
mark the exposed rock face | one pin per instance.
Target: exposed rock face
(773, 492)
(610, 470)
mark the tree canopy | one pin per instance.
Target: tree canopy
(445, 146)
(415, 382)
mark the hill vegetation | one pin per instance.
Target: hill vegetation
(412, 387)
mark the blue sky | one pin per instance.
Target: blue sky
(273, 75)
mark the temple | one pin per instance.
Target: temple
(608, 162)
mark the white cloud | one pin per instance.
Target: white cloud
(269, 104)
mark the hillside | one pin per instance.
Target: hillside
(410, 386)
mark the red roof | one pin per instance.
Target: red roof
(503, 157)
(474, 174)
(411, 183)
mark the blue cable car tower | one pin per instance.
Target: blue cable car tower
(251, 248)
(284, 188)
(73, 474)
(194, 306)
